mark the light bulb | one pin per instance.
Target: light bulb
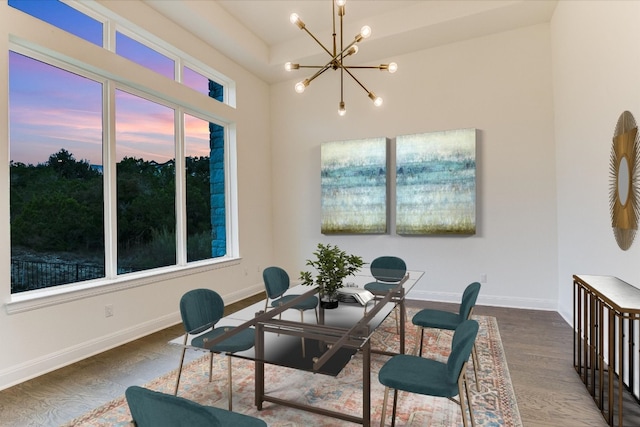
(340, 3)
(300, 86)
(287, 66)
(341, 110)
(295, 19)
(365, 31)
(377, 101)
(352, 50)
(393, 67)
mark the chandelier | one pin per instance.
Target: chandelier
(337, 57)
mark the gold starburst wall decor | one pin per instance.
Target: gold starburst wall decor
(624, 187)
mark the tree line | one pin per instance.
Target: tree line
(58, 205)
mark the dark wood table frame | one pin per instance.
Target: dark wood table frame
(356, 337)
(605, 319)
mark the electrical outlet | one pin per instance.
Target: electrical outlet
(108, 310)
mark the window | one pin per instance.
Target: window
(62, 16)
(144, 55)
(206, 214)
(60, 211)
(57, 227)
(61, 186)
(57, 180)
(128, 45)
(146, 187)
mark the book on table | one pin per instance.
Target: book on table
(361, 296)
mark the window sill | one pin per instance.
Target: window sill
(40, 298)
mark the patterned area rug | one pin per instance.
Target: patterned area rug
(494, 405)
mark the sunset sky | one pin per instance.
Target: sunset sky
(51, 109)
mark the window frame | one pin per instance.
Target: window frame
(44, 297)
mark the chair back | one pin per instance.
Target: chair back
(469, 298)
(276, 281)
(200, 309)
(154, 409)
(388, 269)
(464, 337)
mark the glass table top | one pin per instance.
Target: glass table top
(346, 327)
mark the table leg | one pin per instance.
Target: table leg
(366, 384)
(403, 320)
(259, 366)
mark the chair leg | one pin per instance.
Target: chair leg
(417, 350)
(384, 406)
(466, 387)
(474, 359)
(461, 401)
(395, 405)
(211, 366)
(184, 350)
(463, 389)
(397, 316)
(317, 318)
(302, 338)
(230, 383)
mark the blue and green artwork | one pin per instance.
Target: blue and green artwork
(436, 183)
(354, 186)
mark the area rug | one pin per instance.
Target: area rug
(494, 405)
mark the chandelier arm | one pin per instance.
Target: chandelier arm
(333, 63)
(371, 67)
(317, 41)
(357, 81)
(341, 53)
(333, 18)
(325, 68)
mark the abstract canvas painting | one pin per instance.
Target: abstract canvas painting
(354, 186)
(436, 183)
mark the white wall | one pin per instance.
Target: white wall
(596, 69)
(545, 100)
(499, 84)
(43, 339)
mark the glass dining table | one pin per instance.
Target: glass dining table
(325, 347)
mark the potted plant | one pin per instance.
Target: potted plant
(332, 265)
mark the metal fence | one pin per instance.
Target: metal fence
(30, 275)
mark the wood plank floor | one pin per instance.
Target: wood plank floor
(538, 346)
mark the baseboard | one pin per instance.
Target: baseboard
(243, 293)
(494, 301)
(40, 366)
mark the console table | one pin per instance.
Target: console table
(606, 312)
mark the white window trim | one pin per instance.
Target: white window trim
(62, 294)
(31, 300)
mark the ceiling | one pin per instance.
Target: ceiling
(257, 34)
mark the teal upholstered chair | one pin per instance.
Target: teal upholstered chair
(201, 309)
(388, 271)
(154, 409)
(430, 377)
(276, 283)
(440, 319)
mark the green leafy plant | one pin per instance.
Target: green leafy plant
(332, 265)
